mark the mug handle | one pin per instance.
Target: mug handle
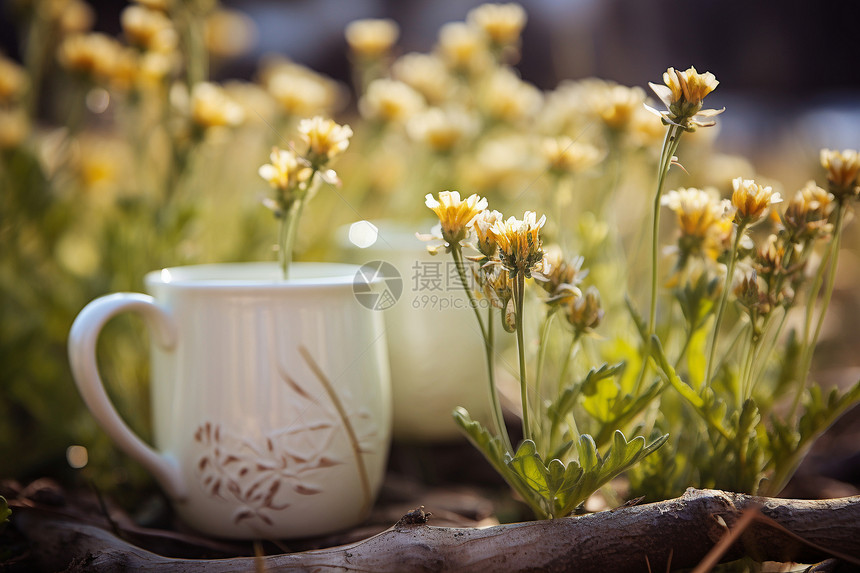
(82, 357)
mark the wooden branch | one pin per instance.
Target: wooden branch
(684, 528)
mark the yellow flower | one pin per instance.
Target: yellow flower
(751, 200)
(584, 312)
(212, 107)
(520, 243)
(442, 129)
(13, 81)
(508, 98)
(390, 101)
(92, 54)
(426, 74)
(563, 155)
(842, 170)
(502, 162)
(325, 138)
(148, 29)
(682, 95)
(14, 127)
(481, 225)
(371, 38)
(463, 48)
(76, 17)
(561, 275)
(619, 105)
(495, 285)
(454, 214)
(502, 23)
(229, 33)
(699, 214)
(299, 90)
(285, 173)
(808, 212)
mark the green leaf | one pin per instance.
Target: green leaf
(494, 451)
(709, 414)
(589, 459)
(489, 445)
(529, 467)
(624, 453)
(696, 362)
(563, 405)
(789, 444)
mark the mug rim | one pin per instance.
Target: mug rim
(253, 274)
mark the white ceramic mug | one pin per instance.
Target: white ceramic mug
(435, 345)
(271, 398)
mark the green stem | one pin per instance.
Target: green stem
(724, 297)
(197, 62)
(566, 363)
(489, 351)
(457, 253)
(752, 351)
(542, 343)
(519, 287)
(670, 145)
(498, 416)
(287, 236)
(764, 349)
(809, 348)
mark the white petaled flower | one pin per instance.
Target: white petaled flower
(751, 200)
(325, 138)
(390, 101)
(843, 169)
(481, 225)
(454, 214)
(212, 107)
(371, 38)
(520, 243)
(683, 94)
(502, 23)
(442, 129)
(285, 169)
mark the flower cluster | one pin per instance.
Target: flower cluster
(509, 249)
(293, 177)
(772, 267)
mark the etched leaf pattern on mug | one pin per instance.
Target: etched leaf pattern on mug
(254, 473)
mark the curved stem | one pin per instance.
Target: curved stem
(519, 287)
(498, 416)
(724, 297)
